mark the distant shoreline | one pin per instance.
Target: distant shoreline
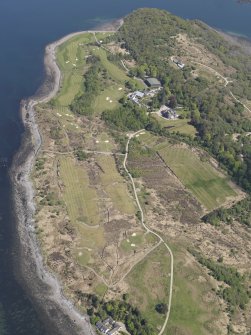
(42, 286)
(244, 42)
(241, 41)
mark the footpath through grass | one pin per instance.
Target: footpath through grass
(193, 312)
(149, 285)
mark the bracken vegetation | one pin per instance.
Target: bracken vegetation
(235, 292)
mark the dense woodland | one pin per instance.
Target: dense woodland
(240, 212)
(148, 35)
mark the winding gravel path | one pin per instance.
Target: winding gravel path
(131, 136)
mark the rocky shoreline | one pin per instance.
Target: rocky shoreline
(59, 314)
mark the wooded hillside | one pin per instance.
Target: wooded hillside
(150, 37)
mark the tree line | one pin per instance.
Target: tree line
(149, 36)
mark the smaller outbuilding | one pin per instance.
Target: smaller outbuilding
(139, 94)
(153, 82)
(136, 96)
(179, 63)
(168, 113)
(108, 326)
(115, 330)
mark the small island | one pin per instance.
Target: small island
(142, 179)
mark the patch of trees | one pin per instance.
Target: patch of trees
(81, 155)
(51, 199)
(146, 32)
(148, 35)
(235, 293)
(161, 308)
(127, 117)
(56, 133)
(119, 310)
(39, 165)
(93, 83)
(240, 212)
(230, 54)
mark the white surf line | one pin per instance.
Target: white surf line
(150, 231)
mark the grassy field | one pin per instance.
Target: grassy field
(208, 186)
(118, 74)
(149, 284)
(115, 186)
(181, 125)
(132, 242)
(109, 98)
(80, 198)
(70, 57)
(104, 142)
(114, 71)
(191, 312)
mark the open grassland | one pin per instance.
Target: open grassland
(66, 119)
(113, 70)
(149, 283)
(104, 142)
(134, 242)
(71, 60)
(79, 196)
(115, 186)
(208, 186)
(194, 309)
(71, 57)
(109, 98)
(181, 125)
(90, 240)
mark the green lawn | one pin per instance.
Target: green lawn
(70, 57)
(191, 313)
(115, 185)
(104, 143)
(149, 285)
(114, 71)
(71, 60)
(79, 196)
(208, 186)
(109, 98)
(133, 242)
(181, 125)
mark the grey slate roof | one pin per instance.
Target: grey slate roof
(153, 82)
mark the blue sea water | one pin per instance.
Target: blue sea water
(25, 28)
